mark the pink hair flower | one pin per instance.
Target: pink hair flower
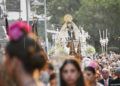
(15, 34)
(18, 29)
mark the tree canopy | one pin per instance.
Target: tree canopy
(92, 15)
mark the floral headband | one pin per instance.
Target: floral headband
(17, 30)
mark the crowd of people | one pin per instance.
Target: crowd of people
(25, 63)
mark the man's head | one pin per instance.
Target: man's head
(105, 73)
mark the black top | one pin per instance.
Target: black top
(109, 81)
(115, 82)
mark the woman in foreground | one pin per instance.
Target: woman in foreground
(23, 55)
(70, 74)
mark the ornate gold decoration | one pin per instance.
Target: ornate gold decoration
(68, 18)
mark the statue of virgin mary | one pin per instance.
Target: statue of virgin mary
(69, 31)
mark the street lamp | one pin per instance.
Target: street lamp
(45, 12)
(36, 3)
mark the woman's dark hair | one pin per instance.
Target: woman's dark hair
(91, 69)
(28, 52)
(80, 81)
(25, 48)
(50, 67)
(52, 77)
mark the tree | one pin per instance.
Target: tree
(100, 14)
(58, 8)
(92, 15)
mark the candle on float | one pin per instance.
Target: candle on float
(100, 34)
(106, 32)
(103, 34)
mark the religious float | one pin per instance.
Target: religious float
(71, 41)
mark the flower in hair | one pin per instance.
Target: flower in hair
(17, 30)
(93, 64)
(15, 34)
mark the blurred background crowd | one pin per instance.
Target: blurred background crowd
(25, 63)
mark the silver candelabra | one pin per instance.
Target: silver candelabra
(104, 40)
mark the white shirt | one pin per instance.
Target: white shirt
(98, 84)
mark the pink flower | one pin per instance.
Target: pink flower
(93, 64)
(18, 29)
(15, 34)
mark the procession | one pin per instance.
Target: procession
(59, 43)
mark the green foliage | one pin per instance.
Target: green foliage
(93, 15)
(58, 8)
